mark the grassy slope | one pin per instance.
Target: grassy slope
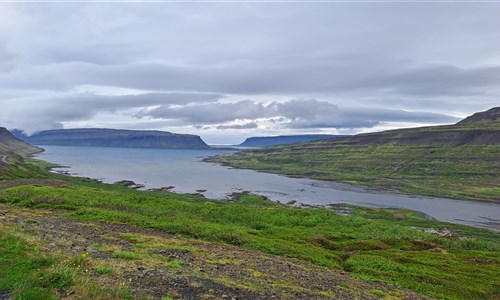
(28, 273)
(466, 171)
(16, 152)
(375, 244)
(9, 145)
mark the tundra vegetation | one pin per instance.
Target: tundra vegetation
(58, 233)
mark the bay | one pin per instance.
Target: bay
(184, 170)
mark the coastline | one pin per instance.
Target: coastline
(343, 188)
(354, 186)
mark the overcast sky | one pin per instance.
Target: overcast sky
(226, 71)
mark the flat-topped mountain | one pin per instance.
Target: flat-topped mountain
(268, 141)
(115, 138)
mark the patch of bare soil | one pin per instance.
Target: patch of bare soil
(164, 265)
(42, 182)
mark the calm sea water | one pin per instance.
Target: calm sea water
(184, 170)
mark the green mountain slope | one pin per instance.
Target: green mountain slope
(13, 154)
(11, 146)
(456, 161)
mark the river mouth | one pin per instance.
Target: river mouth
(185, 171)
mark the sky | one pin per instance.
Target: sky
(226, 71)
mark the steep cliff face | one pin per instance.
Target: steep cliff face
(115, 138)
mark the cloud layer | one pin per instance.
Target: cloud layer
(240, 69)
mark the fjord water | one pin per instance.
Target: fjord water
(184, 170)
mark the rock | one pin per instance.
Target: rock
(130, 184)
(125, 182)
(439, 232)
(399, 216)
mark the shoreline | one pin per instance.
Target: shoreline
(478, 220)
(338, 208)
(355, 187)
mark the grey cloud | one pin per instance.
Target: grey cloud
(249, 125)
(355, 119)
(34, 113)
(360, 78)
(368, 62)
(210, 113)
(441, 80)
(321, 48)
(7, 58)
(291, 114)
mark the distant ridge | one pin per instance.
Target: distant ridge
(489, 116)
(102, 137)
(269, 141)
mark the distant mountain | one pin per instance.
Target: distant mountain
(12, 146)
(269, 141)
(114, 138)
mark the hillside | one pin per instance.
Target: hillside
(485, 117)
(12, 146)
(13, 154)
(268, 141)
(456, 161)
(115, 138)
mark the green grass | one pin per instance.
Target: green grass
(28, 273)
(374, 244)
(464, 172)
(128, 255)
(104, 270)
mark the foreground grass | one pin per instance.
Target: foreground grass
(379, 245)
(27, 272)
(464, 172)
